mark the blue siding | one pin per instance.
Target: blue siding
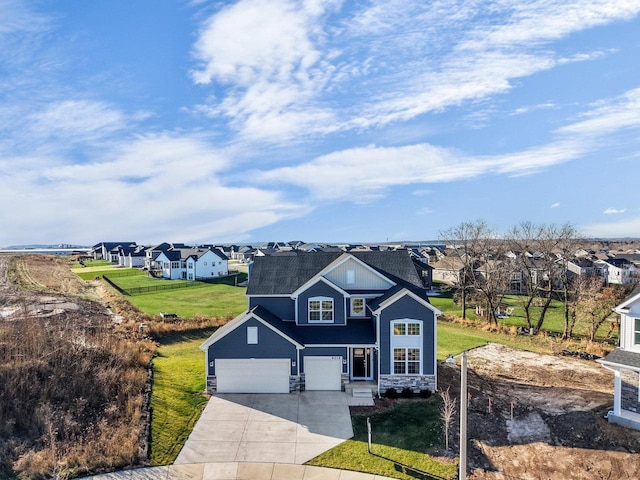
(234, 345)
(281, 307)
(321, 289)
(326, 352)
(407, 307)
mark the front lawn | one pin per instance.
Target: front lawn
(401, 436)
(177, 397)
(211, 300)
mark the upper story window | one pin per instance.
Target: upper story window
(357, 307)
(175, 264)
(351, 277)
(406, 328)
(320, 309)
(252, 335)
(636, 332)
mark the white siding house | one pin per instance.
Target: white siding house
(625, 363)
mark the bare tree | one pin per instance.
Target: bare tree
(493, 275)
(597, 303)
(466, 242)
(542, 252)
(447, 413)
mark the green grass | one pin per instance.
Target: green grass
(211, 300)
(90, 273)
(553, 322)
(177, 397)
(401, 437)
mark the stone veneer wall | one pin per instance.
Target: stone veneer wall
(301, 382)
(629, 391)
(414, 382)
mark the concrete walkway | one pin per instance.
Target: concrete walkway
(237, 471)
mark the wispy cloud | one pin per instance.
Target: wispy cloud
(179, 180)
(285, 73)
(363, 174)
(614, 211)
(555, 205)
(623, 228)
(424, 211)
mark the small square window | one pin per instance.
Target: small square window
(399, 328)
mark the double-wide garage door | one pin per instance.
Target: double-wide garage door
(253, 375)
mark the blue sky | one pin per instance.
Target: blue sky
(328, 121)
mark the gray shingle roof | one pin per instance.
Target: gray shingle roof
(623, 357)
(282, 275)
(355, 332)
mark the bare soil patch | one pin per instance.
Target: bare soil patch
(557, 431)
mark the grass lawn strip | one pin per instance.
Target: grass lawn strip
(212, 300)
(177, 398)
(401, 437)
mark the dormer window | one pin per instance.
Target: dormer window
(320, 310)
(357, 307)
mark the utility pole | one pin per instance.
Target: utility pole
(462, 474)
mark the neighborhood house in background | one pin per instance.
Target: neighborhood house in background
(320, 321)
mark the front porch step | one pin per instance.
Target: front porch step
(362, 393)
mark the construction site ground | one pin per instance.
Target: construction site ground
(558, 428)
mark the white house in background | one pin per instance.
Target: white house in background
(132, 257)
(210, 263)
(192, 263)
(619, 271)
(625, 363)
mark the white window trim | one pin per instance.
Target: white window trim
(364, 307)
(635, 331)
(406, 360)
(252, 335)
(321, 299)
(406, 341)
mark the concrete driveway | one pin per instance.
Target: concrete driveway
(271, 428)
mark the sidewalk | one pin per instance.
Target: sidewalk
(236, 471)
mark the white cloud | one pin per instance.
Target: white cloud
(424, 211)
(622, 228)
(266, 53)
(421, 192)
(608, 115)
(76, 119)
(614, 211)
(555, 205)
(285, 71)
(153, 188)
(362, 174)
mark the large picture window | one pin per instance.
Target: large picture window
(321, 310)
(406, 361)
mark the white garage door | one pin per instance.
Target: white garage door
(253, 375)
(323, 373)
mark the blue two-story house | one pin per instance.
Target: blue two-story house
(319, 321)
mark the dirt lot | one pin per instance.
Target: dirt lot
(558, 430)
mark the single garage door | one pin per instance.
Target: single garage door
(253, 375)
(323, 373)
